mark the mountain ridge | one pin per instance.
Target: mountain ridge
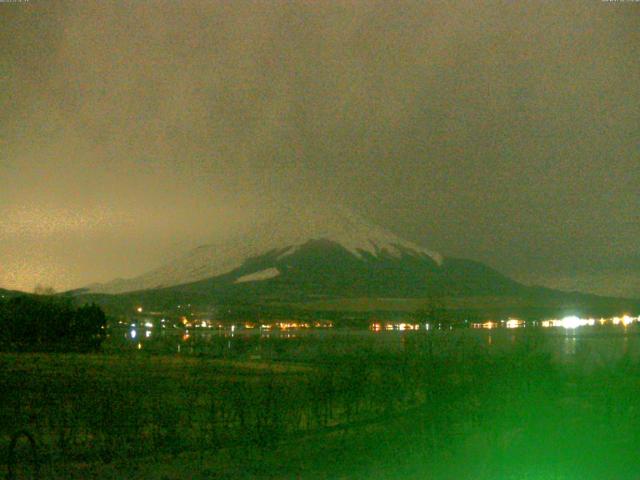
(271, 233)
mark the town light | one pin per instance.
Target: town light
(572, 322)
(514, 323)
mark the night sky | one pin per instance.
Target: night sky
(506, 132)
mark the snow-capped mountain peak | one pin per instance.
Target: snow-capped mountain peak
(280, 232)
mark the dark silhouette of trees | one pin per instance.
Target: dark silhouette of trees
(88, 326)
(43, 290)
(45, 323)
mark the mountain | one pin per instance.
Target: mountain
(285, 234)
(326, 268)
(314, 257)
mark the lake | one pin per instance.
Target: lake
(587, 346)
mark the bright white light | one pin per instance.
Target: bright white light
(148, 325)
(572, 322)
(139, 309)
(133, 333)
(147, 333)
(514, 323)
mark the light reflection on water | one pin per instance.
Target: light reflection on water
(596, 344)
(569, 345)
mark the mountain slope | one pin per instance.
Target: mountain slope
(325, 269)
(284, 234)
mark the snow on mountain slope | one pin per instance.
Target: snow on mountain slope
(261, 275)
(281, 230)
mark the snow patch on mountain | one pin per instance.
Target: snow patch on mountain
(257, 276)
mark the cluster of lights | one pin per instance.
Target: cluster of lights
(377, 327)
(197, 323)
(290, 325)
(514, 323)
(625, 320)
(133, 333)
(323, 324)
(489, 325)
(569, 323)
(573, 322)
(202, 324)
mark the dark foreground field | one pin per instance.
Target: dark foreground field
(398, 415)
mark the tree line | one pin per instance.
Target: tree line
(49, 323)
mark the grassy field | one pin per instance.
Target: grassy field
(396, 415)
